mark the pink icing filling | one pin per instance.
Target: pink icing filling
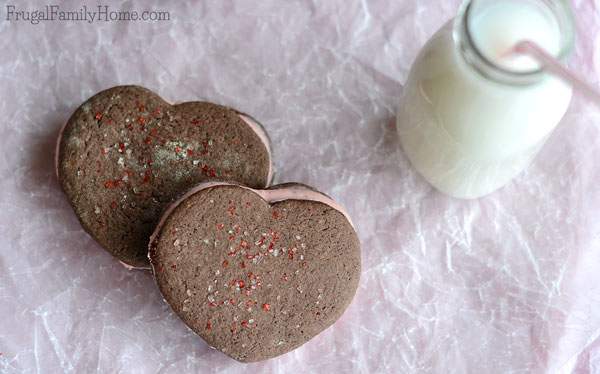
(270, 196)
(57, 148)
(130, 267)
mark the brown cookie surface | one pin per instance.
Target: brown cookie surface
(125, 154)
(254, 273)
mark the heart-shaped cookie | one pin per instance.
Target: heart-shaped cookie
(256, 273)
(125, 154)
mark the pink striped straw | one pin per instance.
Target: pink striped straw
(554, 67)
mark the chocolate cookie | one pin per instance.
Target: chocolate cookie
(125, 154)
(256, 273)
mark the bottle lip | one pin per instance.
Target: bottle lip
(491, 70)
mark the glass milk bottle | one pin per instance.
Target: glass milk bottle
(473, 114)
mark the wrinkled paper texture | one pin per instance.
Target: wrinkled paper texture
(506, 284)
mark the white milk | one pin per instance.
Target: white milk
(469, 135)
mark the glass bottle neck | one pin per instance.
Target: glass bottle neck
(480, 22)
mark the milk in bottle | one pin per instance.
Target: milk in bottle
(473, 115)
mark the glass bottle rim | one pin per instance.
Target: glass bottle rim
(473, 55)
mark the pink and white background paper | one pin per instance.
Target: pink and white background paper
(506, 284)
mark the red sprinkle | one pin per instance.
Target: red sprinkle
(245, 324)
(266, 307)
(178, 149)
(220, 226)
(208, 325)
(195, 122)
(121, 147)
(141, 120)
(275, 214)
(113, 205)
(190, 152)
(98, 116)
(211, 304)
(209, 172)
(225, 263)
(147, 175)
(241, 284)
(148, 140)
